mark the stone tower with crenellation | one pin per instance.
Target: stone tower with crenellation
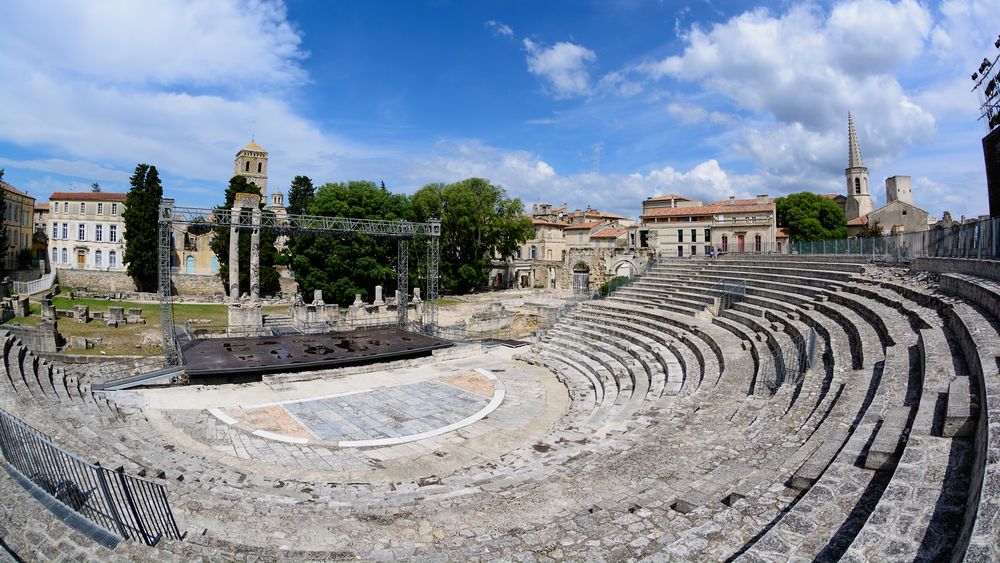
(251, 161)
(859, 201)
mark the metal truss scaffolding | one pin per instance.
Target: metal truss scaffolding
(287, 225)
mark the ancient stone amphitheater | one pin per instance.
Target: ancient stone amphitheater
(679, 419)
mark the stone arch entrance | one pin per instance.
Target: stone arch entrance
(581, 278)
(625, 268)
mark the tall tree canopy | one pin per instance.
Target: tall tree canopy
(300, 195)
(141, 215)
(810, 216)
(478, 222)
(269, 284)
(342, 266)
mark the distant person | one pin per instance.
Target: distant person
(715, 253)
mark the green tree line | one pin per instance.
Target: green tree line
(479, 221)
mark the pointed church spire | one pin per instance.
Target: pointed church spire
(853, 148)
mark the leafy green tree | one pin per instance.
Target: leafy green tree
(300, 195)
(269, 283)
(478, 223)
(342, 266)
(141, 215)
(95, 187)
(810, 216)
(3, 227)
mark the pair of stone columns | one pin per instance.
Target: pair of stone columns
(252, 202)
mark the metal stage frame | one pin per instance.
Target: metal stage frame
(247, 219)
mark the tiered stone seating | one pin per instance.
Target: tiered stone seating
(673, 446)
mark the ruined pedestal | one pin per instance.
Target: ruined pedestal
(245, 319)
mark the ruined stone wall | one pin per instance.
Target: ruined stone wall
(120, 282)
(599, 260)
(97, 280)
(191, 284)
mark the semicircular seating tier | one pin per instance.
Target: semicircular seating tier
(823, 409)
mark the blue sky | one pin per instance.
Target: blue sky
(599, 104)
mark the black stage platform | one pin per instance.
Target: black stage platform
(244, 357)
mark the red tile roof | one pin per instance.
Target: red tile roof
(547, 223)
(858, 221)
(609, 233)
(667, 197)
(588, 225)
(87, 196)
(719, 207)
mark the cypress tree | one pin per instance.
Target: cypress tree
(141, 217)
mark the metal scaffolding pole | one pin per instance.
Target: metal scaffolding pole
(403, 273)
(433, 257)
(403, 231)
(170, 350)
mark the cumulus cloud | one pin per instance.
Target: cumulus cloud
(222, 43)
(108, 90)
(563, 66)
(528, 176)
(500, 28)
(786, 81)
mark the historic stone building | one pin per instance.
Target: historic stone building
(859, 201)
(251, 162)
(20, 223)
(86, 230)
(898, 215)
(675, 226)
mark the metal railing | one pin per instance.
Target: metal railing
(110, 370)
(789, 363)
(979, 239)
(43, 283)
(124, 505)
(728, 291)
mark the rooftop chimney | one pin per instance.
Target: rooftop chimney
(761, 199)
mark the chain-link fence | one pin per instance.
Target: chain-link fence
(973, 239)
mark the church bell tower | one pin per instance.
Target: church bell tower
(251, 161)
(859, 201)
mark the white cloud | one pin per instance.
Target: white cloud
(527, 176)
(692, 113)
(563, 66)
(500, 28)
(106, 86)
(225, 43)
(77, 168)
(786, 81)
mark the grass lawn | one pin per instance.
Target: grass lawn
(135, 339)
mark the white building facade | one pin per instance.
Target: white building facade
(86, 230)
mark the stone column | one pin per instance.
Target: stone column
(234, 256)
(255, 257)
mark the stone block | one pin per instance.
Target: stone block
(958, 420)
(48, 310)
(883, 454)
(81, 313)
(813, 468)
(21, 307)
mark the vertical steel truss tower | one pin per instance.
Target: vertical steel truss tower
(402, 231)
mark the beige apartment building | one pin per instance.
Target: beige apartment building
(20, 222)
(86, 230)
(675, 226)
